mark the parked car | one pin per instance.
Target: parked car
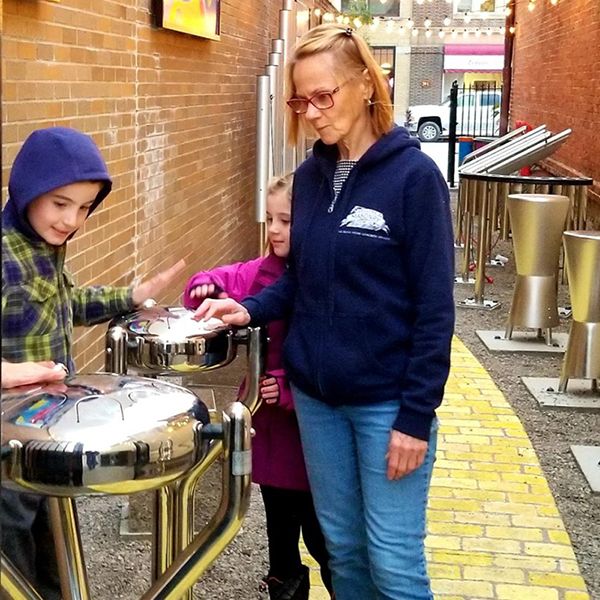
(477, 114)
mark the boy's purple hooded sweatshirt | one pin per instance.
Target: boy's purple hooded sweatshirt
(40, 301)
(277, 458)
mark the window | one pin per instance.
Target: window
(377, 8)
(489, 7)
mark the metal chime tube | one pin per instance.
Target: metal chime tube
(262, 154)
(277, 112)
(69, 551)
(274, 157)
(190, 564)
(287, 32)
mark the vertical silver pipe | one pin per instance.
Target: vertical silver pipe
(69, 552)
(115, 355)
(287, 33)
(274, 155)
(262, 153)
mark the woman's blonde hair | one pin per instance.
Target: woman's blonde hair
(279, 184)
(353, 56)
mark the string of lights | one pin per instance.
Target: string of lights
(451, 26)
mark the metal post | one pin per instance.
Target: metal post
(163, 529)
(452, 133)
(115, 355)
(69, 551)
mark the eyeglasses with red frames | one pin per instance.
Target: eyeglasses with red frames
(320, 100)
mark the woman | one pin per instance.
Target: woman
(368, 291)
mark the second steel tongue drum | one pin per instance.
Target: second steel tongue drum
(168, 342)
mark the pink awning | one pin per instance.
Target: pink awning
(473, 49)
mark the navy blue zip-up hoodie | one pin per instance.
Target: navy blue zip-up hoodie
(369, 285)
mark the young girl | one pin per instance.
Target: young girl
(277, 461)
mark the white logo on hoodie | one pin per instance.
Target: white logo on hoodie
(365, 218)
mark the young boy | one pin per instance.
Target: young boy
(57, 180)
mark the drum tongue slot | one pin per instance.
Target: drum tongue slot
(95, 397)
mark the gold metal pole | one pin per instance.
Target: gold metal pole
(14, 585)
(190, 564)
(163, 529)
(250, 397)
(69, 551)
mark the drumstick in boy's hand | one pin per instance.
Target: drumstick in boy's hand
(155, 285)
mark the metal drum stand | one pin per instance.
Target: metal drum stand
(167, 341)
(113, 434)
(582, 258)
(538, 221)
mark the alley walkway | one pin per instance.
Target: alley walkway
(493, 528)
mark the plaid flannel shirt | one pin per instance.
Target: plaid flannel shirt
(41, 305)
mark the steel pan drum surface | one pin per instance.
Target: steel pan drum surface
(100, 433)
(166, 340)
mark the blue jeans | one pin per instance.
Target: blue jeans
(374, 528)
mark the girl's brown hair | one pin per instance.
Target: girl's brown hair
(353, 56)
(278, 184)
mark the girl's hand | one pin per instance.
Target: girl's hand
(207, 290)
(269, 390)
(405, 454)
(155, 285)
(228, 310)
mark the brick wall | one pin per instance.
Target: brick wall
(556, 78)
(426, 64)
(174, 116)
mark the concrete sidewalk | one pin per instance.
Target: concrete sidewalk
(493, 528)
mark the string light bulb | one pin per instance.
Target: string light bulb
(427, 22)
(317, 12)
(441, 33)
(428, 33)
(467, 18)
(447, 20)
(531, 6)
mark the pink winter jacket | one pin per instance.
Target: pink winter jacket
(277, 458)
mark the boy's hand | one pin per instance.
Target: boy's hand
(269, 390)
(207, 290)
(155, 285)
(228, 310)
(26, 373)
